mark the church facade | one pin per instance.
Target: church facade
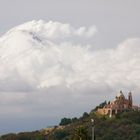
(120, 104)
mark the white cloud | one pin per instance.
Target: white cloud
(55, 30)
(39, 75)
(82, 31)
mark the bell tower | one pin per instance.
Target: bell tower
(130, 99)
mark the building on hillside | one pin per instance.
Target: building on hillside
(119, 104)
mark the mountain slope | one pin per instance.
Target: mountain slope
(124, 126)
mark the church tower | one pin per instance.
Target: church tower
(130, 99)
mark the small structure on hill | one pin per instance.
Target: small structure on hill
(119, 104)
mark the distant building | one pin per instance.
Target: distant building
(119, 104)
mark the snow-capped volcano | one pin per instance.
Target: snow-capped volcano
(30, 53)
(39, 54)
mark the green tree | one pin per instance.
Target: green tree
(65, 121)
(81, 133)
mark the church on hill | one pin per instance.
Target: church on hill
(120, 104)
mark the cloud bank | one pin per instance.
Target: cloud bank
(45, 71)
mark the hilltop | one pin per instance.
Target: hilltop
(125, 125)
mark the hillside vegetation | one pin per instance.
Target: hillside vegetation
(124, 126)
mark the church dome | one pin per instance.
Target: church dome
(120, 94)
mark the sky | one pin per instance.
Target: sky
(62, 58)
